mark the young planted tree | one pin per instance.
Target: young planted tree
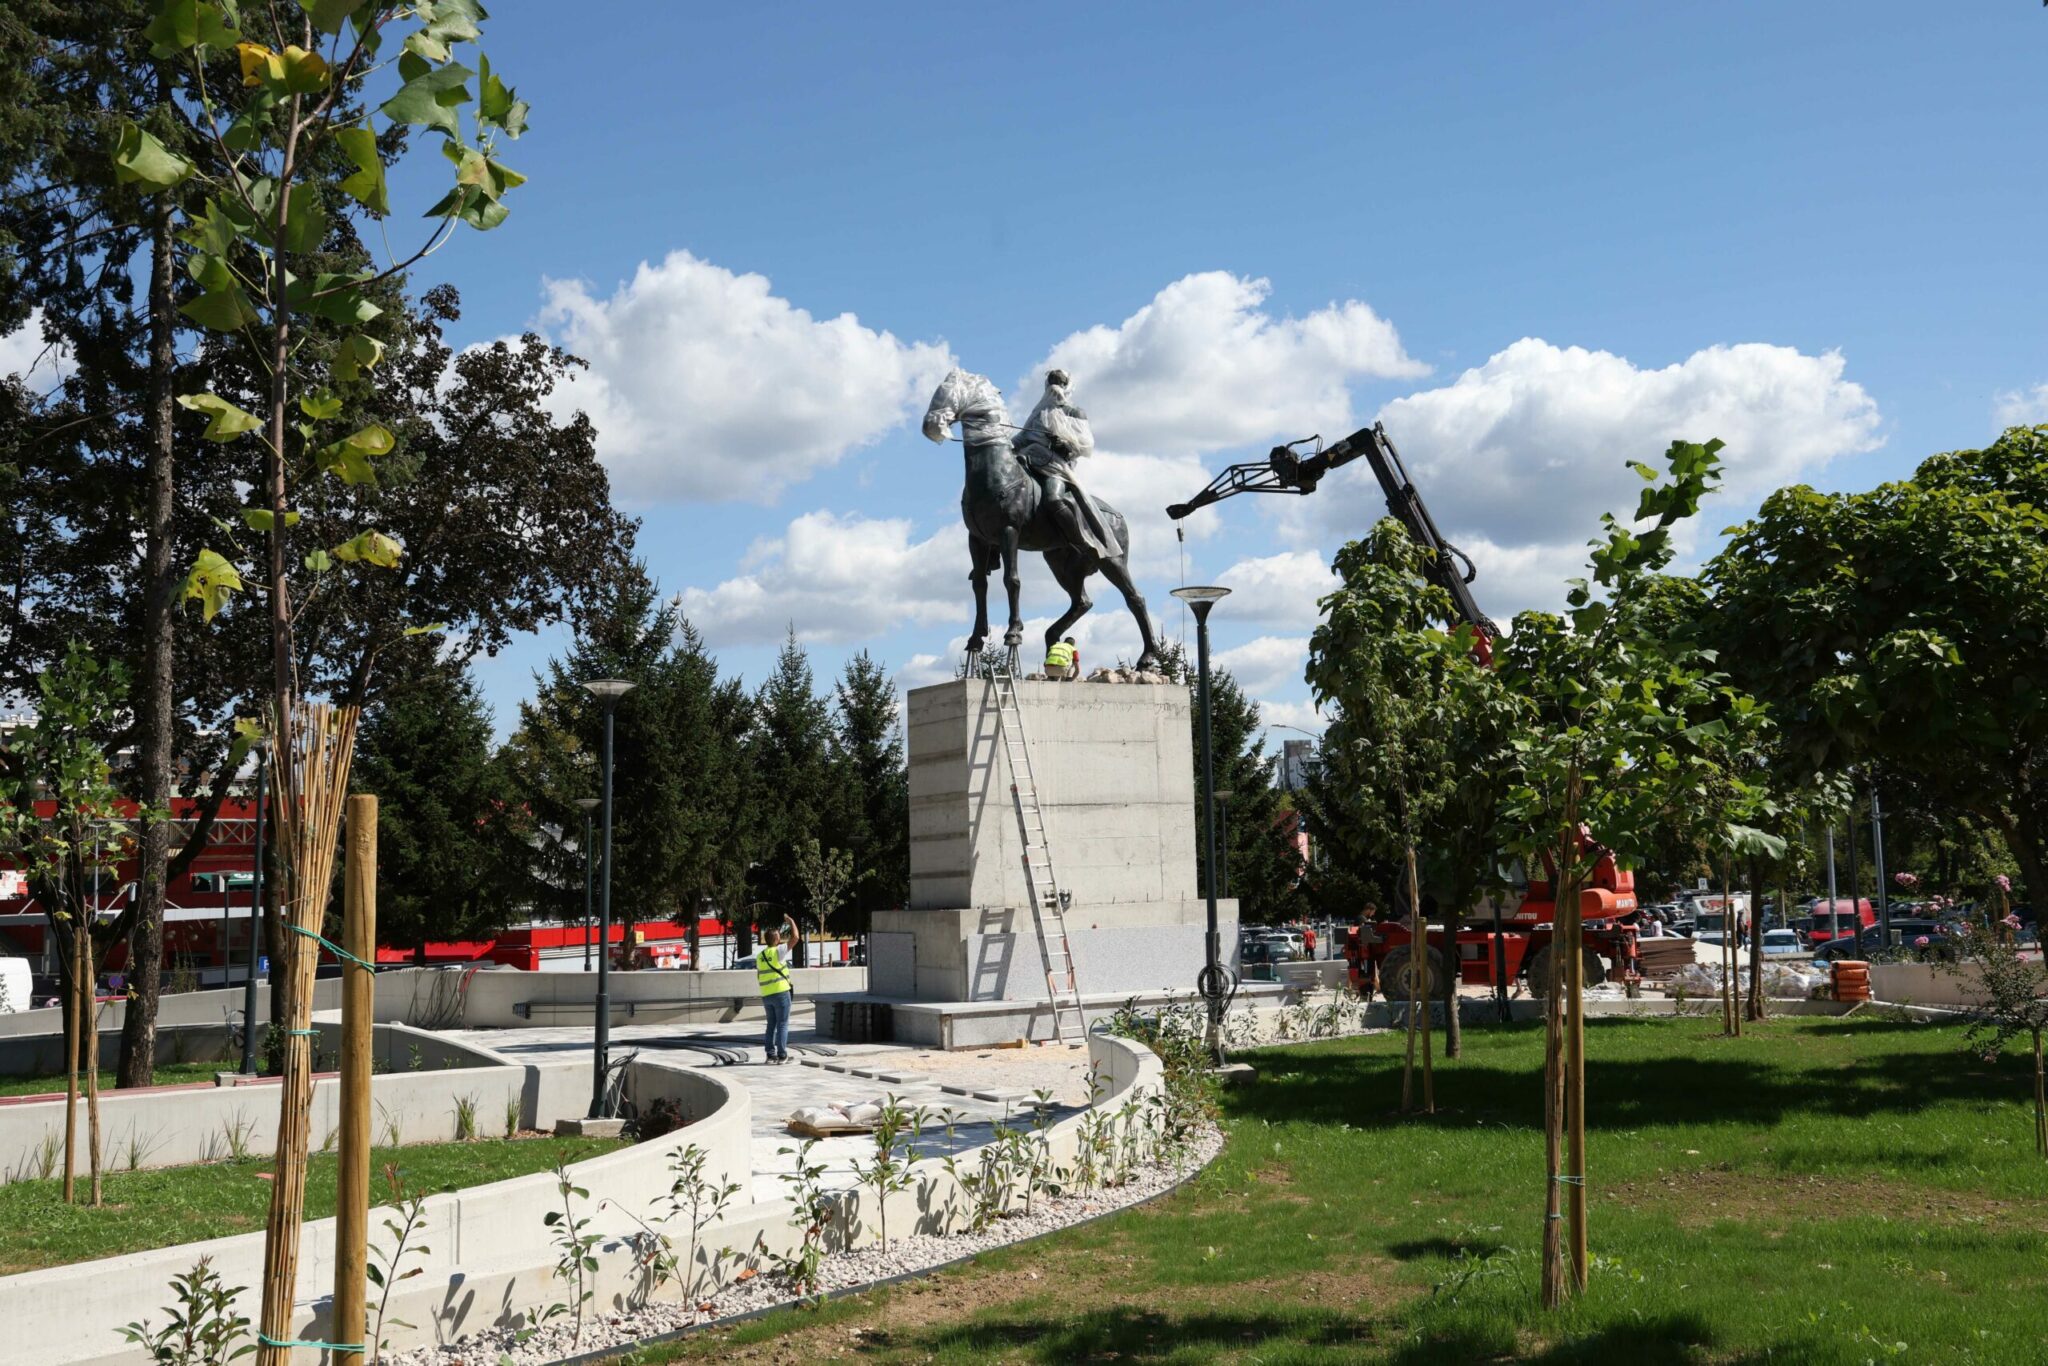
(1383, 665)
(2007, 990)
(60, 822)
(295, 151)
(1610, 737)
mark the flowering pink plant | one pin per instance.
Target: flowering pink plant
(1907, 880)
(2004, 882)
(1921, 942)
(2011, 922)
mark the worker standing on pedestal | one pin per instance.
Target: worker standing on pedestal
(772, 969)
(1063, 661)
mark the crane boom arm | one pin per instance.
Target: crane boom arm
(1286, 470)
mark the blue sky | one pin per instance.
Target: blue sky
(1536, 240)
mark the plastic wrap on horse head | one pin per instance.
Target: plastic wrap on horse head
(971, 400)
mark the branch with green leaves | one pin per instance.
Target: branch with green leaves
(295, 146)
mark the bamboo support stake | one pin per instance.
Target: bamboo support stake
(90, 997)
(1418, 996)
(314, 769)
(71, 1072)
(358, 1010)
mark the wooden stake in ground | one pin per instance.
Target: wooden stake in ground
(1553, 1122)
(1756, 1009)
(71, 1051)
(1418, 981)
(1575, 1080)
(90, 997)
(358, 1011)
(314, 766)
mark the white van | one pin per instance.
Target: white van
(15, 985)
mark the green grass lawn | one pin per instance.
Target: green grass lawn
(186, 1204)
(167, 1074)
(1815, 1192)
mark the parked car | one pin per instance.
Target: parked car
(1783, 944)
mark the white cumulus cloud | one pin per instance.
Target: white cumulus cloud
(836, 579)
(1518, 457)
(1204, 367)
(25, 353)
(1268, 664)
(706, 385)
(1278, 590)
(2022, 408)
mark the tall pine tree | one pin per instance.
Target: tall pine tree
(874, 823)
(790, 754)
(444, 843)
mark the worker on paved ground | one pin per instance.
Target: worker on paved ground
(1063, 661)
(773, 971)
(1361, 968)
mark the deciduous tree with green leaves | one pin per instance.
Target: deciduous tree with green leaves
(1904, 626)
(1618, 715)
(294, 148)
(1391, 676)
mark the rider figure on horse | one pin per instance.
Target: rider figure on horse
(1053, 438)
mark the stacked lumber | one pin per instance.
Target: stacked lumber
(1659, 959)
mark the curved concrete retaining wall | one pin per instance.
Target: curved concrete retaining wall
(491, 1259)
(70, 1315)
(511, 999)
(184, 1125)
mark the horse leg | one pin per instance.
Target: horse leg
(983, 556)
(1119, 574)
(1013, 582)
(1068, 570)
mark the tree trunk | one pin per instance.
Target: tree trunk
(1553, 1121)
(154, 696)
(92, 1068)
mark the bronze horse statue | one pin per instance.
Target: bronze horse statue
(1006, 510)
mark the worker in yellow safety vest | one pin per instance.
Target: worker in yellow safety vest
(772, 969)
(1063, 661)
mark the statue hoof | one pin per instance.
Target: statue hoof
(1014, 637)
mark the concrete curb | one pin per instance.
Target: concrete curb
(604, 1355)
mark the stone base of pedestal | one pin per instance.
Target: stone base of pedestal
(993, 955)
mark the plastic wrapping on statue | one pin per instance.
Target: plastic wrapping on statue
(974, 402)
(1059, 419)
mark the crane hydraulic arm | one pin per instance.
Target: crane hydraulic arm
(1287, 470)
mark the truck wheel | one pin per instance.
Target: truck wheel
(1538, 968)
(1394, 975)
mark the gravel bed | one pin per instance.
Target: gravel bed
(841, 1271)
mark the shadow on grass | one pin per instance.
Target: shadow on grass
(1316, 1086)
(1124, 1333)
(1450, 1249)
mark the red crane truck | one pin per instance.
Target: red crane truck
(1518, 944)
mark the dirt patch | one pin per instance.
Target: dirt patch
(1699, 1198)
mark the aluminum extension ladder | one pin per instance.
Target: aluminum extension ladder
(1048, 902)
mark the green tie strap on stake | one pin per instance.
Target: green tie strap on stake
(269, 1341)
(337, 950)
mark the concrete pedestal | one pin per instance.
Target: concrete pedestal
(1115, 775)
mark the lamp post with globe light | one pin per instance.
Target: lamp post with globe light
(607, 691)
(1211, 985)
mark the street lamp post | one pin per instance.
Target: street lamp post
(1201, 600)
(607, 691)
(587, 805)
(255, 922)
(1223, 797)
(1884, 900)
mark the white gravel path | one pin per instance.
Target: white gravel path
(841, 1271)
